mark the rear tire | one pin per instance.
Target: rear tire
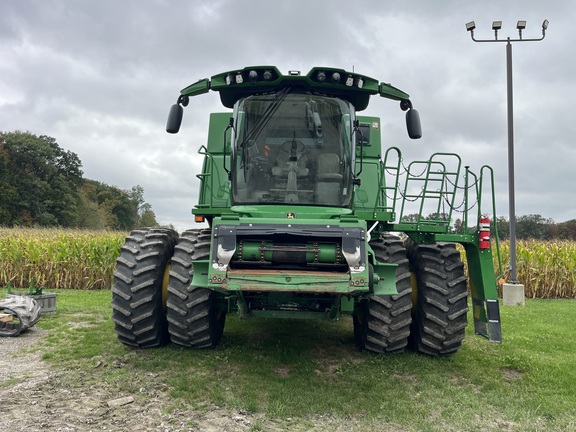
(194, 316)
(382, 323)
(439, 323)
(137, 306)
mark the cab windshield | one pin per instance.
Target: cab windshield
(293, 148)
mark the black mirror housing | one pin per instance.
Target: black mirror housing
(174, 119)
(413, 124)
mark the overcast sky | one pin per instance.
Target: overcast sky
(100, 76)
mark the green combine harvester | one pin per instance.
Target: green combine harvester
(308, 218)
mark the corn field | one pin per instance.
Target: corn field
(546, 268)
(58, 258)
(77, 259)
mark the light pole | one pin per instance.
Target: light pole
(496, 26)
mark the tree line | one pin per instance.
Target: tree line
(42, 184)
(532, 226)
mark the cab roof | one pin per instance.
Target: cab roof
(253, 80)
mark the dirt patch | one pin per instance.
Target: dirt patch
(283, 371)
(511, 374)
(36, 396)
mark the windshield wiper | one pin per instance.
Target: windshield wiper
(268, 114)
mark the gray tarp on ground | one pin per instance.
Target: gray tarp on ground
(25, 312)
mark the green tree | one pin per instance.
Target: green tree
(109, 207)
(412, 217)
(44, 177)
(458, 226)
(145, 215)
(116, 207)
(563, 230)
(438, 216)
(147, 218)
(89, 215)
(532, 226)
(42, 184)
(8, 193)
(503, 227)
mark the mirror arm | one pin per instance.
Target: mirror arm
(183, 100)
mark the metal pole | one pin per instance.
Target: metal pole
(511, 186)
(510, 96)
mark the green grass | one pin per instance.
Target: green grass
(303, 369)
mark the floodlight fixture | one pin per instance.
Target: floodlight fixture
(496, 25)
(472, 25)
(521, 25)
(545, 25)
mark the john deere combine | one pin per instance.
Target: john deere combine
(309, 218)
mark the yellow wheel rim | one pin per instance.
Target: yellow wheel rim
(165, 285)
(414, 284)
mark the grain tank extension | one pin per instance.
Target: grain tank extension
(306, 216)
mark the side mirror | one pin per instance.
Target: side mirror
(174, 119)
(413, 124)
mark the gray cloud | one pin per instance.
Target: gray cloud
(101, 76)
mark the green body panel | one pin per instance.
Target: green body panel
(214, 197)
(483, 286)
(370, 199)
(284, 280)
(200, 273)
(372, 148)
(291, 211)
(200, 87)
(384, 279)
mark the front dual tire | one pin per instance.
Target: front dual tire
(139, 279)
(382, 322)
(429, 312)
(152, 300)
(195, 318)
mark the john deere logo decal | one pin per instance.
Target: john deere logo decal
(290, 215)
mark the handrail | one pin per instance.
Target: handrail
(382, 197)
(203, 150)
(494, 217)
(439, 184)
